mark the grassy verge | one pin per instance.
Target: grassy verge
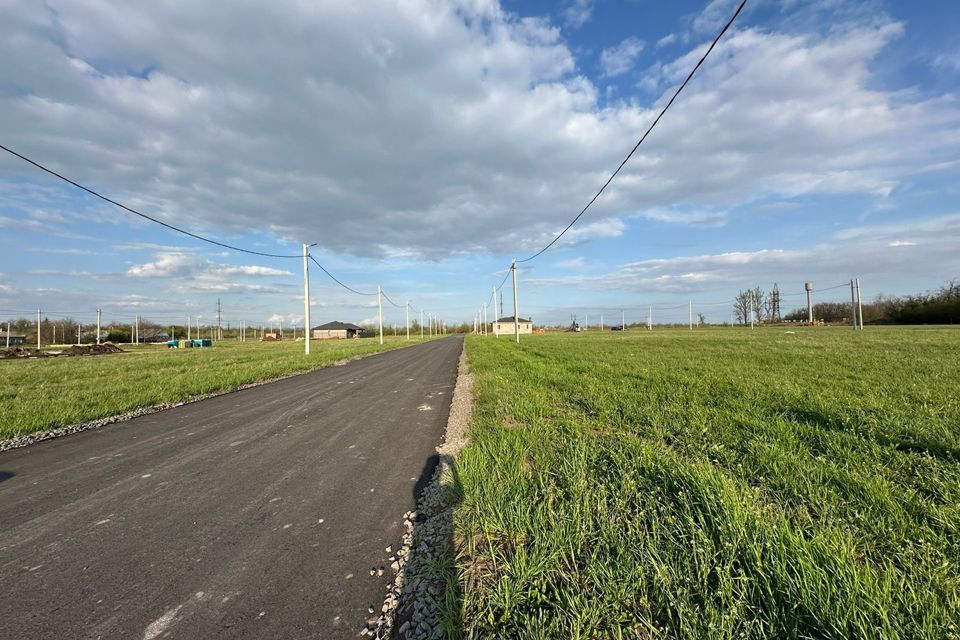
(42, 394)
(713, 484)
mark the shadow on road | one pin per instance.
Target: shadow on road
(429, 597)
(6, 475)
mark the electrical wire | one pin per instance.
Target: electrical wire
(332, 277)
(142, 215)
(644, 136)
(384, 294)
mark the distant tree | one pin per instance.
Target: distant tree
(751, 299)
(741, 307)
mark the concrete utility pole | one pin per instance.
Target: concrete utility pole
(380, 312)
(306, 297)
(219, 317)
(750, 297)
(809, 288)
(38, 329)
(690, 314)
(623, 323)
(98, 326)
(650, 318)
(8, 334)
(484, 318)
(54, 334)
(406, 310)
(496, 315)
(859, 304)
(78, 333)
(586, 322)
(601, 322)
(516, 310)
(853, 304)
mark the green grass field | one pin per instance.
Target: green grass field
(46, 393)
(711, 484)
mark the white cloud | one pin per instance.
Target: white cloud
(458, 118)
(619, 59)
(668, 39)
(696, 218)
(189, 266)
(577, 13)
(866, 251)
(572, 263)
(947, 61)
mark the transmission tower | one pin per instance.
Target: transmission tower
(775, 304)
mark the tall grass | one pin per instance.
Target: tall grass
(52, 392)
(712, 484)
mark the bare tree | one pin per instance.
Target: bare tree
(741, 307)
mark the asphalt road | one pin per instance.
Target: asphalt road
(257, 514)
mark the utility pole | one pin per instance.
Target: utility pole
(650, 318)
(380, 312)
(189, 328)
(219, 315)
(54, 333)
(750, 296)
(306, 297)
(516, 311)
(98, 326)
(853, 304)
(859, 304)
(38, 329)
(601, 322)
(136, 322)
(808, 285)
(484, 318)
(421, 325)
(8, 334)
(586, 321)
(406, 310)
(623, 323)
(78, 333)
(690, 314)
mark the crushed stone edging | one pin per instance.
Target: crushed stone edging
(26, 439)
(415, 594)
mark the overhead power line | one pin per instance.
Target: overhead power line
(398, 306)
(141, 214)
(646, 133)
(334, 278)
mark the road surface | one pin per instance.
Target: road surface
(257, 514)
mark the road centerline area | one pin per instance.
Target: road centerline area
(255, 514)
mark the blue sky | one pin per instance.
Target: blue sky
(422, 146)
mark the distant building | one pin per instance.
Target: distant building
(14, 338)
(505, 325)
(336, 330)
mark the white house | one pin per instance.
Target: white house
(505, 325)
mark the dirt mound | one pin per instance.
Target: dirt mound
(12, 353)
(91, 349)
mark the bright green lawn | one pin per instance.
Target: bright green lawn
(51, 392)
(712, 484)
